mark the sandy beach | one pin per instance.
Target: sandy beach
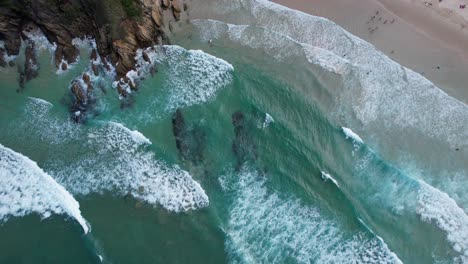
(429, 37)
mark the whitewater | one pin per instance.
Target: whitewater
(261, 135)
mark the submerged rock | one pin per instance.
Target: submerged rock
(31, 66)
(242, 146)
(190, 140)
(3, 63)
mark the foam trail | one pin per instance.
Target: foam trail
(25, 188)
(437, 207)
(327, 176)
(41, 101)
(265, 227)
(350, 134)
(138, 137)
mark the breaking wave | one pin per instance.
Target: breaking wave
(265, 227)
(117, 160)
(194, 76)
(111, 158)
(25, 188)
(361, 87)
(389, 193)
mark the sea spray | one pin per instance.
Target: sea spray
(266, 226)
(25, 188)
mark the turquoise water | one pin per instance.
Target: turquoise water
(260, 167)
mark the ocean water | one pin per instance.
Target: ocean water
(266, 136)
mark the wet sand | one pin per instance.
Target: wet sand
(431, 38)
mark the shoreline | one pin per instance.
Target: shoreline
(431, 40)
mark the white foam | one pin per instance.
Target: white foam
(350, 134)
(25, 188)
(327, 176)
(39, 123)
(137, 136)
(194, 76)
(437, 207)
(393, 105)
(41, 43)
(7, 58)
(41, 101)
(265, 227)
(84, 42)
(268, 119)
(117, 159)
(62, 62)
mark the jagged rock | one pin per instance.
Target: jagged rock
(166, 3)
(10, 30)
(93, 55)
(145, 32)
(86, 78)
(2, 58)
(177, 6)
(121, 90)
(146, 57)
(79, 93)
(64, 66)
(176, 9)
(156, 16)
(31, 66)
(95, 69)
(130, 83)
(118, 36)
(106, 65)
(11, 63)
(68, 53)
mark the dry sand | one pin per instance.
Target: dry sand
(430, 39)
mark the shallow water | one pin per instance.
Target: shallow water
(261, 164)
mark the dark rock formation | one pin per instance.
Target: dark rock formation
(190, 140)
(242, 146)
(3, 63)
(31, 66)
(178, 129)
(119, 27)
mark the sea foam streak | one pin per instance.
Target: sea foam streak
(327, 176)
(25, 188)
(265, 227)
(194, 76)
(382, 188)
(111, 158)
(437, 207)
(118, 160)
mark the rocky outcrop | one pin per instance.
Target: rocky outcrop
(120, 28)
